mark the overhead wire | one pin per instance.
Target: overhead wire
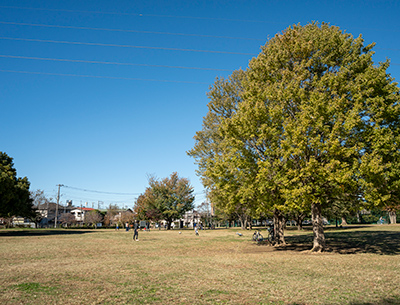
(119, 63)
(99, 192)
(110, 193)
(110, 63)
(125, 31)
(90, 200)
(139, 14)
(105, 77)
(117, 45)
(170, 16)
(122, 46)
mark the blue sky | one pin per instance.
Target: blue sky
(97, 95)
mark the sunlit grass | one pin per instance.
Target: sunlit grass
(217, 267)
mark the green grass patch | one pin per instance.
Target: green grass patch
(36, 288)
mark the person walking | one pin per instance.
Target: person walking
(135, 231)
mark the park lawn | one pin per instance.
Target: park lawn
(362, 266)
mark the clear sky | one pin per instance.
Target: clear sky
(97, 95)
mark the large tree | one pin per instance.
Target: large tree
(14, 191)
(325, 108)
(316, 127)
(166, 199)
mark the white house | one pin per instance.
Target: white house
(79, 213)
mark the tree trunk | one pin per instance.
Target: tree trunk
(392, 217)
(318, 228)
(243, 221)
(279, 224)
(244, 224)
(299, 221)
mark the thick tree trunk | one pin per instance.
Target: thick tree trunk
(250, 225)
(299, 221)
(318, 228)
(243, 221)
(392, 217)
(279, 225)
(244, 224)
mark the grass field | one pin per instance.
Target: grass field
(217, 267)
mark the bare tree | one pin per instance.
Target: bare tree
(93, 218)
(40, 204)
(126, 217)
(204, 210)
(67, 219)
(109, 218)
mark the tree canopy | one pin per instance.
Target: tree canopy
(14, 191)
(167, 199)
(316, 125)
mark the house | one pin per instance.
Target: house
(190, 219)
(48, 213)
(79, 213)
(22, 222)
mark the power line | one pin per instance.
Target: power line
(105, 77)
(127, 31)
(140, 14)
(115, 63)
(110, 63)
(100, 192)
(123, 46)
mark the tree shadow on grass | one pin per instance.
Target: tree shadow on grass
(349, 242)
(395, 300)
(39, 232)
(386, 301)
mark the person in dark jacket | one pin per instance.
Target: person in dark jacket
(135, 231)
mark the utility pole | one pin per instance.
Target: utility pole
(58, 202)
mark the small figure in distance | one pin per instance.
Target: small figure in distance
(135, 231)
(196, 230)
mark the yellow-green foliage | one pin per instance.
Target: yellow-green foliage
(315, 122)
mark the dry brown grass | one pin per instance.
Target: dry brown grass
(217, 267)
